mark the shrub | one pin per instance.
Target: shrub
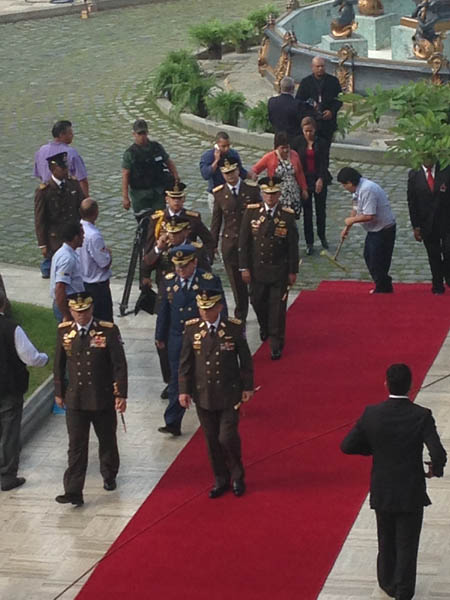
(240, 34)
(258, 118)
(176, 68)
(226, 106)
(258, 18)
(191, 94)
(208, 34)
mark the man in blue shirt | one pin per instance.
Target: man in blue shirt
(209, 163)
(372, 210)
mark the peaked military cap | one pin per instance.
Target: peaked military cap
(80, 302)
(226, 166)
(208, 298)
(182, 255)
(176, 191)
(59, 160)
(270, 185)
(176, 224)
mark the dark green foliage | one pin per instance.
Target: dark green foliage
(258, 18)
(211, 33)
(240, 34)
(226, 107)
(258, 118)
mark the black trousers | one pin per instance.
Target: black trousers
(240, 292)
(320, 202)
(11, 407)
(398, 544)
(224, 444)
(378, 249)
(78, 425)
(438, 250)
(269, 303)
(101, 295)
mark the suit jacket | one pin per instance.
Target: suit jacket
(268, 248)
(309, 89)
(229, 210)
(394, 433)
(96, 365)
(286, 113)
(215, 370)
(427, 209)
(53, 209)
(320, 148)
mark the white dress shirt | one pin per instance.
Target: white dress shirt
(26, 350)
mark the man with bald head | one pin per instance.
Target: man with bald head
(95, 259)
(322, 90)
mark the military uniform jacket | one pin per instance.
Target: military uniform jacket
(229, 211)
(53, 209)
(178, 306)
(96, 365)
(428, 209)
(214, 370)
(268, 247)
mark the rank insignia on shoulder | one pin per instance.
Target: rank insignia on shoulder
(251, 183)
(106, 323)
(170, 275)
(235, 321)
(65, 324)
(208, 276)
(157, 214)
(217, 188)
(253, 205)
(197, 244)
(43, 186)
(192, 321)
(192, 213)
(288, 209)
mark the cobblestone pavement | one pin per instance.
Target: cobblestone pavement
(95, 73)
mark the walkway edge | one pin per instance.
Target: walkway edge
(37, 408)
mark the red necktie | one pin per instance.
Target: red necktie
(430, 179)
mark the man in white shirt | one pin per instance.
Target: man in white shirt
(16, 351)
(95, 260)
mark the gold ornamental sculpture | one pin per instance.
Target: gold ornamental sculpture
(284, 64)
(345, 24)
(370, 8)
(344, 72)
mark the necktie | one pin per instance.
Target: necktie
(212, 330)
(430, 179)
(83, 332)
(269, 215)
(185, 285)
(234, 192)
(61, 186)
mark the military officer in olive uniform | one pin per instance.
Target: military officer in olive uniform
(97, 388)
(216, 370)
(268, 260)
(230, 200)
(56, 203)
(178, 305)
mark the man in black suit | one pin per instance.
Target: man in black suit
(322, 89)
(286, 112)
(394, 433)
(429, 211)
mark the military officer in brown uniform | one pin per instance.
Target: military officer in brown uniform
(230, 200)
(56, 203)
(216, 371)
(97, 388)
(268, 260)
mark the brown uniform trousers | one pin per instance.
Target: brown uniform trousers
(215, 370)
(53, 209)
(97, 370)
(268, 247)
(228, 210)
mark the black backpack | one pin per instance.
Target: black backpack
(149, 168)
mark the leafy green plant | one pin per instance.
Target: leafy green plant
(258, 118)
(210, 34)
(176, 68)
(226, 106)
(258, 18)
(240, 34)
(191, 94)
(422, 129)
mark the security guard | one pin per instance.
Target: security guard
(97, 388)
(230, 201)
(56, 203)
(178, 305)
(216, 370)
(268, 260)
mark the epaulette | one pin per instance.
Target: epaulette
(208, 276)
(234, 320)
(251, 183)
(170, 275)
(197, 245)
(157, 214)
(288, 209)
(217, 188)
(106, 323)
(258, 205)
(65, 324)
(192, 213)
(192, 321)
(43, 186)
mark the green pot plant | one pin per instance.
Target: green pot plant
(176, 68)
(240, 34)
(211, 35)
(226, 107)
(258, 18)
(258, 118)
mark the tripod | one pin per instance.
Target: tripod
(143, 218)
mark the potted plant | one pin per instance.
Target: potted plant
(258, 118)
(211, 35)
(176, 68)
(226, 107)
(240, 35)
(258, 18)
(191, 94)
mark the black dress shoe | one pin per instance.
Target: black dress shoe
(75, 499)
(165, 393)
(14, 483)
(275, 355)
(170, 429)
(309, 250)
(110, 485)
(238, 487)
(438, 290)
(263, 334)
(218, 490)
(324, 243)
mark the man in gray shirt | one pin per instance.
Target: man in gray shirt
(371, 208)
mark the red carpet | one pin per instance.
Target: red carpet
(281, 539)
